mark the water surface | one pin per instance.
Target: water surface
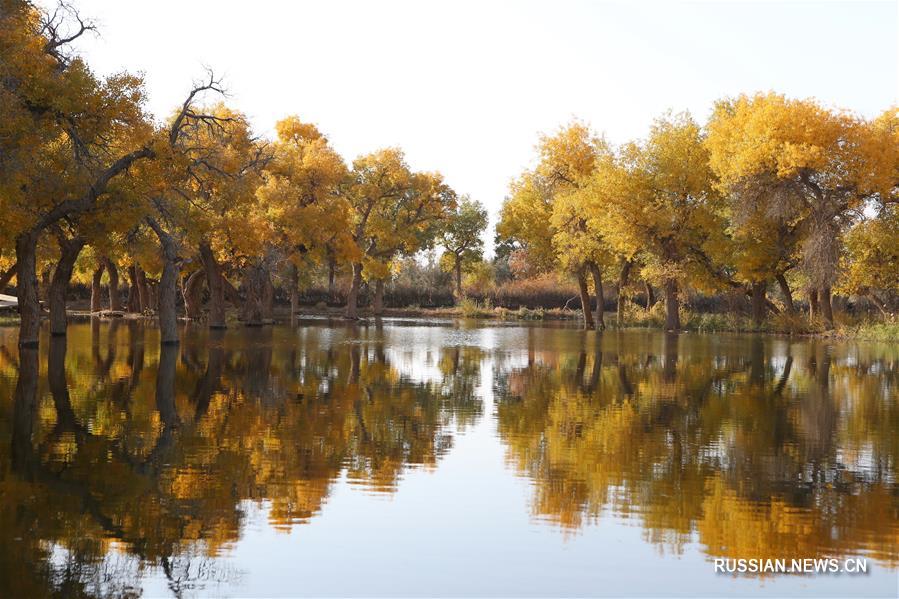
(459, 459)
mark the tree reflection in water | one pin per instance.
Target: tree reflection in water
(758, 448)
(134, 457)
(118, 459)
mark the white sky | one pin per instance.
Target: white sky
(465, 87)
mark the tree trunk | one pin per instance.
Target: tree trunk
(378, 303)
(268, 294)
(44, 287)
(143, 290)
(826, 307)
(585, 299)
(813, 309)
(59, 284)
(26, 289)
(192, 292)
(623, 277)
(7, 276)
(600, 296)
(759, 288)
(216, 286)
(294, 291)
(96, 300)
(168, 286)
(168, 298)
(332, 267)
(252, 285)
(872, 297)
(785, 291)
(115, 298)
(672, 306)
(458, 271)
(133, 304)
(352, 299)
(650, 296)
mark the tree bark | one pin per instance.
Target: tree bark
(168, 286)
(759, 288)
(252, 285)
(623, 277)
(294, 291)
(352, 299)
(192, 292)
(785, 291)
(133, 304)
(26, 289)
(143, 290)
(378, 303)
(216, 286)
(672, 306)
(115, 298)
(877, 302)
(600, 296)
(7, 276)
(826, 307)
(44, 287)
(813, 309)
(96, 279)
(650, 296)
(332, 267)
(268, 294)
(69, 249)
(458, 271)
(585, 299)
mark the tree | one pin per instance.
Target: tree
(461, 238)
(798, 165)
(660, 202)
(869, 265)
(394, 211)
(301, 197)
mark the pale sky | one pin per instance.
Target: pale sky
(465, 88)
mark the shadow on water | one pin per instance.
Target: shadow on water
(118, 458)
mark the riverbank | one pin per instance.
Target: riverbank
(846, 326)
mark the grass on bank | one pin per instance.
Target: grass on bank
(845, 325)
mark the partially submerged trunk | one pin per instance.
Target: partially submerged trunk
(216, 286)
(352, 299)
(26, 289)
(168, 286)
(759, 289)
(69, 249)
(192, 291)
(96, 289)
(672, 306)
(585, 298)
(378, 303)
(785, 291)
(115, 298)
(600, 295)
(253, 288)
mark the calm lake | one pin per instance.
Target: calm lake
(451, 459)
